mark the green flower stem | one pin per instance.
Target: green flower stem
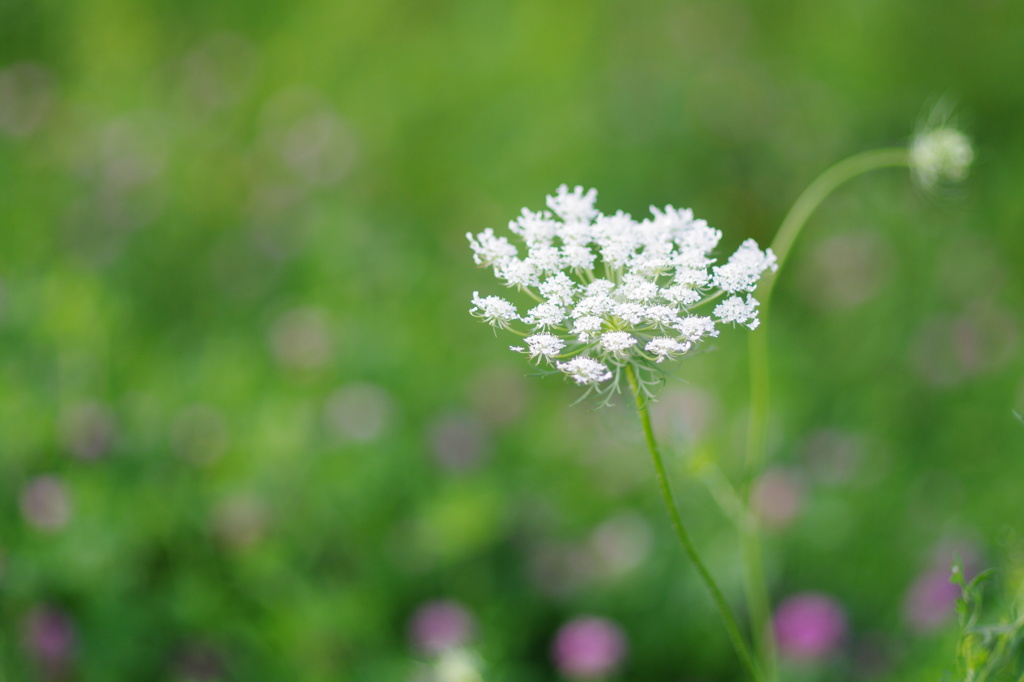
(792, 225)
(818, 191)
(666, 493)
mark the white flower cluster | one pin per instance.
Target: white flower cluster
(609, 291)
(941, 155)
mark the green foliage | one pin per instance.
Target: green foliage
(986, 652)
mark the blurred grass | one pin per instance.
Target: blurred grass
(219, 218)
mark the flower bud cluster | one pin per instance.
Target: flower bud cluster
(941, 155)
(609, 291)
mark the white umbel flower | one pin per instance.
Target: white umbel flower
(609, 291)
(585, 370)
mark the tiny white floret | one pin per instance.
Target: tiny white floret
(490, 250)
(495, 310)
(664, 347)
(576, 206)
(734, 309)
(586, 326)
(584, 370)
(547, 345)
(617, 342)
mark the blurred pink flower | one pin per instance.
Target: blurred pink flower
(50, 638)
(27, 98)
(440, 625)
(301, 339)
(809, 626)
(199, 662)
(589, 647)
(88, 430)
(241, 520)
(458, 441)
(45, 504)
(359, 412)
(199, 434)
(930, 600)
(498, 395)
(560, 569)
(777, 497)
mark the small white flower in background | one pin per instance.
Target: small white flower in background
(941, 155)
(609, 291)
(939, 152)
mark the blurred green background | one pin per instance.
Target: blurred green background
(247, 427)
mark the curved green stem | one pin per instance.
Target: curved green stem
(818, 191)
(790, 229)
(684, 538)
(757, 445)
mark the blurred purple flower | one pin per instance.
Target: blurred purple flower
(809, 626)
(88, 430)
(45, 504)
(301, 339)
(440, 625)
(50, 638)
(560, 569)
(199, 662)
(359, 412)
(199, 434)
(27, 98)
(588, 647)
(777, 497)
(685, 412)
(240, 521)
(458, 441)
(847, 270)
(621, 543)
(930, 600)
(217, 72)
(498, 395)
(833, 456)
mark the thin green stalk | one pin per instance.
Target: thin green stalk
(790, 229)
(757, 445)
(756, 589)
(684, 538)
(818, 191)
